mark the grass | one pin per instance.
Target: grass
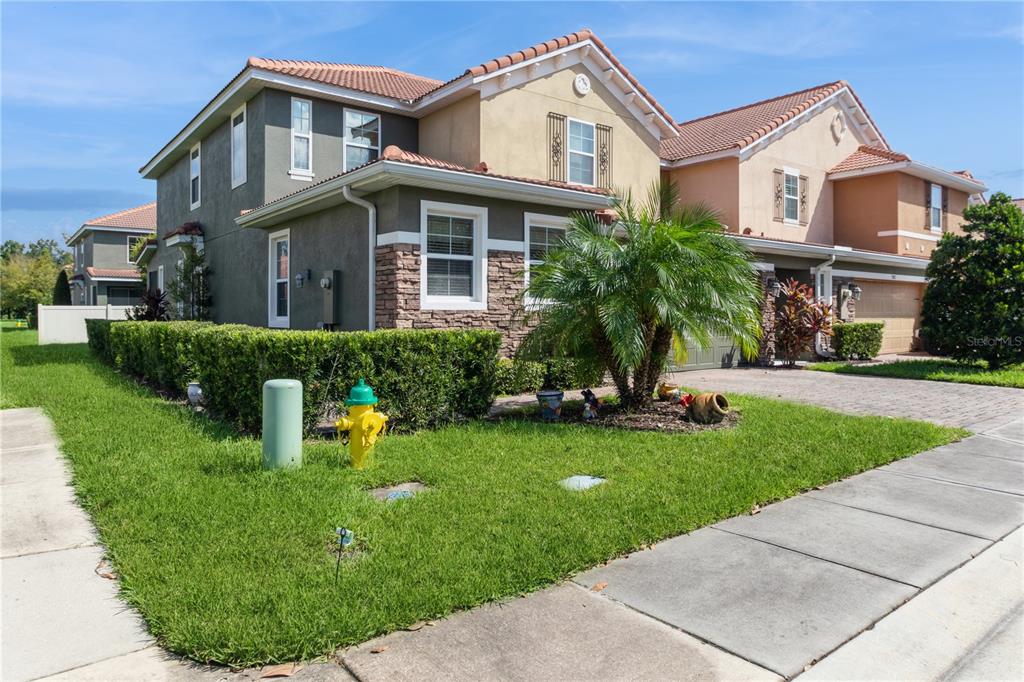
(230, 564)
(931, 370)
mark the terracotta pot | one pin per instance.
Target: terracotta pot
(708, 408)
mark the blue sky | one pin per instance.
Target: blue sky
(90, 91)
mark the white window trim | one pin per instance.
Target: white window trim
(237, 182)
(346, 141)
(128, 245)
(198, 146)
(272, 319)
(931, 190)
(478, 214)
(540, 220)
(160, 278)
(569, 152)
(795, 173)
(300, 173)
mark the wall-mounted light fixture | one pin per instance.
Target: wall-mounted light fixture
(775, 288)
(301, 278)
(856, 291)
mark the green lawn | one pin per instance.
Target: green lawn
(932, 370)
(230, 564)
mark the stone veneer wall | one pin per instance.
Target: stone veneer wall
(766, 353)
(398, 296)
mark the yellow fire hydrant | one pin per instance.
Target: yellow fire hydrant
(362, 423)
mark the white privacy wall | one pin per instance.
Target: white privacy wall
(66, 323)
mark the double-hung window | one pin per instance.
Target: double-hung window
(935, 215)
(791, 197)
(277, 279)
(581, 152)
(362, 138)
(238, 148)
(195, 169)
(453, 267)
(302, 138)
(543, 233)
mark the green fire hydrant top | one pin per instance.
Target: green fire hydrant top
(361, 394)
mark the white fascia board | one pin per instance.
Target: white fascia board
(100, 228)
(919, 170)
(840, 252)
(388, 173)
(724, 154)
(881, 276)
(909, 235)
(114, 279)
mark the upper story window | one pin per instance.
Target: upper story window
(935, 212)
(791, 197)
(238, 148)
(195, 166)
(453, 267)
(362, 138)
(132, 241)
(581, 152)
(302, 137)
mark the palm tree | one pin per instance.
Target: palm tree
(623, 295)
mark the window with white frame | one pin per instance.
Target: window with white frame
(160, 278)
(278, 272)
(239, 166)
(195, 166)
(542, 234)
(362, 138)
(132, 241)
(936, 210)
(302, 137)
(581, 152)
(791, 196)
(453, 267)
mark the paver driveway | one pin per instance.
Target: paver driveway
(977, 408)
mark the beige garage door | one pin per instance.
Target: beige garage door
(898, 305)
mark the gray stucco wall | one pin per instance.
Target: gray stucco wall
(109, 250)
(328, 134)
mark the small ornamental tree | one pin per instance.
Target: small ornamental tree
(974, 303)
(190, 288)
(152, 307)
(799, 320)
(62, 289)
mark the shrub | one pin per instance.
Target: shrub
(973, 305)
(569, 373)
(98, 332)
(519, 376)
(860, 340)
(424, 378)
(799, 320)
(515, 376)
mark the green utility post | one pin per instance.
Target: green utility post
(282, 424)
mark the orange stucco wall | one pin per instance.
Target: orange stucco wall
(864, 207)
(715, 183)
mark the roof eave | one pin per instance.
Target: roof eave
(920, 170)
(80, 232)
(761, 245)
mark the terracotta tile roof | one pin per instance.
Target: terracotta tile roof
(376, 80)
(141, 217)
(558, 43)
(111, 272)
(395, 153)
(191, 228)
(1019, 203)
(737, 128)
(867, 156)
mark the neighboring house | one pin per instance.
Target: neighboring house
(358, 197)
(104, 272)
(809, 183)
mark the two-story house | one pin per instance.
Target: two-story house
(104, 272)
(361, 197)
(809, 183)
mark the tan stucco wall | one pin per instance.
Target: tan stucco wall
(810, 149)
(864, 207)
(514, 129)
(453, 133)
(715, 183)
(913, 218)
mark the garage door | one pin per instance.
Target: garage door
(722, 353)
(898, 305)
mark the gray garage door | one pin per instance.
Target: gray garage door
(722, 353)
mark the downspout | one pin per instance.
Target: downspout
(819, 340)
(371, 234)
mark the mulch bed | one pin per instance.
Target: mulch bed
(661, 416)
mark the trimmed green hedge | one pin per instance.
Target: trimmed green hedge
(857, 340)
(516, 376)
(98, 332)
(424, 378)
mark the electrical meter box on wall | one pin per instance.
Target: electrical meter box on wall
(330, 285)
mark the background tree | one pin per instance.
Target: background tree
(62, 288)
(799, 320)
(189, 290)
(25, 282)
(11, 248)
(623, 296)
(48, 248)
(974, 302)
